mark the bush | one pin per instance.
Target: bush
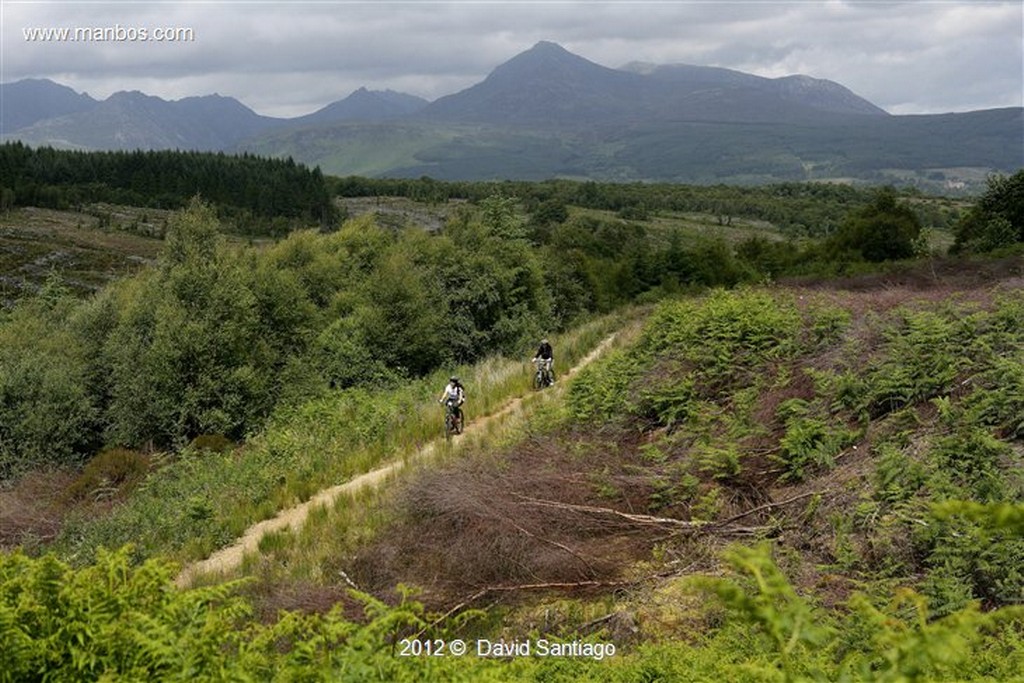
(111, 472)
(809, 441)
(47, 413)
(997, 220)
(116, 621)
(881, 231)
(214, 443)
(924, 352)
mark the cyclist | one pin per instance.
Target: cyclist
(545, 353)
(454, 395)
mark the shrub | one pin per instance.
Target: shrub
(111, 471)
(214, 443)
(901, 640)
(881, 231)
(923, 354)
(997, 220)
(116, 621)
(809, 441)
(47, 415)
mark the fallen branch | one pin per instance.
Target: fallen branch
(769, 506)
(628, 516)
(597, 622)
(679, 525)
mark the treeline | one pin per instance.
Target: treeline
(259, 195)
(883, 226)
(798, 209)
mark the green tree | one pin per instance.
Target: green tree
(402, 316)
(47, 413)
(188, 355)
(550, 211)
(997, 220)
(881, 231)
(500, 217)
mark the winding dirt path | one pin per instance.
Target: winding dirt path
(230, 558)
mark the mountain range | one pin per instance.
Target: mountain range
(550, 113)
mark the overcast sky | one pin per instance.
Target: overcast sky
(290, 58)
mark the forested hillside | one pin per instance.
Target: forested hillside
(261, 196)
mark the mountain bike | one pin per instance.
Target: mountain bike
(452, 419)
(543, 377)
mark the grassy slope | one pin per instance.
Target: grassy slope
(695, 152)
(354, 149)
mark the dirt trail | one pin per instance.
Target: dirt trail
(230, 558)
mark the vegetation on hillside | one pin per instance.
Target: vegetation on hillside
(739, 400)
(213, 337)
(796, 209)
(997, 219)
(765, 482)
(874, 441)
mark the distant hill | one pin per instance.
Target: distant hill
(952, 150)
(550, 113)
(41, 112)
(364, 105)
(133, 120)
(26, 102)
(739, 96)
(548, 85)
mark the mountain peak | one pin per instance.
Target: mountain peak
(548, 47)
(826, 95)
(544, 52)
(545, 84)
(133, 96)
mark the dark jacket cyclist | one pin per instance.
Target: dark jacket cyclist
(547, 354)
